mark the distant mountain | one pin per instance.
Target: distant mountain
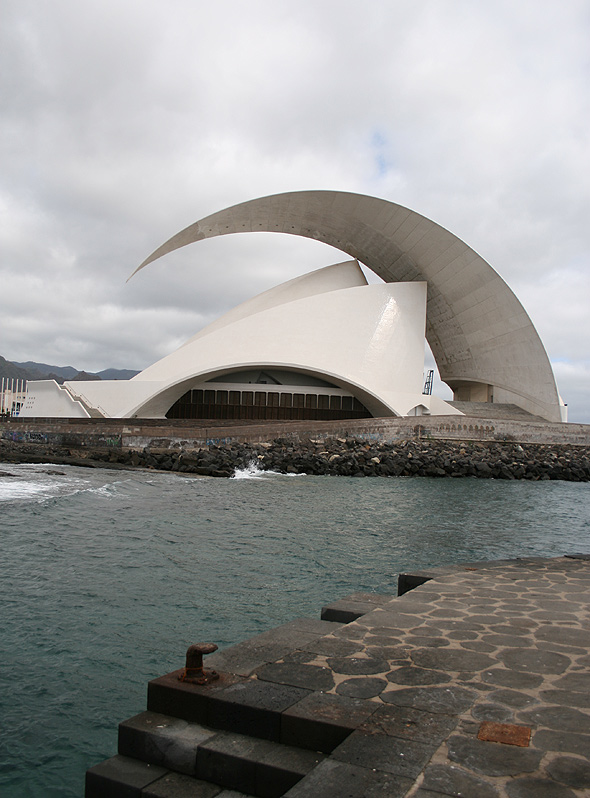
(39, 371)
(117, 374)
(83, 376)
(44, 371)
(12, 371)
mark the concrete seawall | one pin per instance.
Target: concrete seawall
(162, 435)
(377, 448)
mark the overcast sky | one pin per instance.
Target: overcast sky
(124, 121)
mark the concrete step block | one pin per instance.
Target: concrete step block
(332, 779)
(121, 777)
(175, 785)
(321, 721)
(407, 582)
(246, 706)
(257, 767)
(253, 707)
(351, 607)
(167, 695)
(163, 740)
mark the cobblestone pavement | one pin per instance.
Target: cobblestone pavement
(504, 643)
(475, 683)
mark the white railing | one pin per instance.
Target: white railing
(87, 404)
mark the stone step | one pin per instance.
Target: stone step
(246, 706)
(228, 759)
(267, 707)
(163, 741)
(257, 767)
(494, 410)
(349, 608)
(123, 777)
(120, 777)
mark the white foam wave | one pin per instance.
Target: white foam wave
(23, 489)
(41, 482)
(253, 471)
(108, 491)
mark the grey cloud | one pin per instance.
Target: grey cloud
(123, 123)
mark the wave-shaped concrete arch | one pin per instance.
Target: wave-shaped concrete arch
(482, 339)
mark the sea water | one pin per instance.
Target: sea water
(108, 576)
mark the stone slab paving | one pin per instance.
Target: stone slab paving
(505, 641)
(474, 683)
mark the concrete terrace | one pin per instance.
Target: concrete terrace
(475, 683)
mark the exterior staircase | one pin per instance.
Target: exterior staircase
(495, 410)
(92, 411)
(162, 755)
(236, 736)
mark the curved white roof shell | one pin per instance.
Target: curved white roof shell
(368, 339)
(479, 333)
(365, 339)
(329, 325)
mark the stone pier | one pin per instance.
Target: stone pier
(474, 682)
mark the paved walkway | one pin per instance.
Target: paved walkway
(475, 683)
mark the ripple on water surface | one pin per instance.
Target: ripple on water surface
(108, 576)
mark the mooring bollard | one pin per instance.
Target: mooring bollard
(193, 671)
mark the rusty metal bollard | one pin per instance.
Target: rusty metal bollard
(193, 672)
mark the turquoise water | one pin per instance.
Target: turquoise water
(108, 576)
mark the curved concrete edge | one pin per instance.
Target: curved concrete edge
(377, 355)
(477, 329)
(321, 281)
(304, 333)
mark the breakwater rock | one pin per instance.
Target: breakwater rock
(336, 457)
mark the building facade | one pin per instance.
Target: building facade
(359, 347)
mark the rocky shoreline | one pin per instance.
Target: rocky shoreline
(335, 457)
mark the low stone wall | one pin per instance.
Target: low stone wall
(335, 457)
(164, 435)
